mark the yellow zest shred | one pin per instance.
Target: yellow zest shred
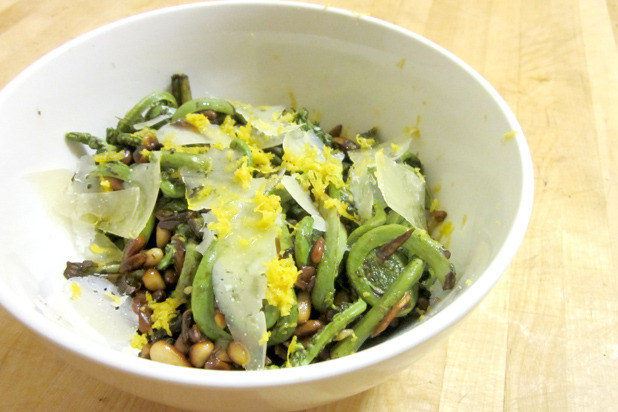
(316, 175)
(243, 174)
(106, 185)
(365, 143)
(168, 144)
(163, 312)
(244, 134)
(107, 157)
(281, 275)
(446, 229)
(261, 160)
(435, 205)
(94, 248)
(139, 341)
(224, 214)
(264, 338)
(198, 120)
(76, 290)
(510, 135)
(115, 299)
(269, 206)
(444, 233)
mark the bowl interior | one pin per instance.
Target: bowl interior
(348, 69)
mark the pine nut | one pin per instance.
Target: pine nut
(220, 320)
(307, 328)
(221, 354)
(304, 307)
(216, 364)
(163, 352)
(115, 183)
(145, 352)
(152, 280)
(153, 257)
(199, 353)
(238, 353)
(162, 236)
(317, 251)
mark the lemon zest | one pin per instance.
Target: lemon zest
(107, 157)
(162, 312)
(281, 274)
(139, 341)
(76, 290)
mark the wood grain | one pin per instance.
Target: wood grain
(546, 338)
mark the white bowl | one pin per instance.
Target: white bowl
(352, 69)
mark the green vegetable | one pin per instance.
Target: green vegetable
(136, 114)
(326, 335)
(176, 160)
(189, 268)
(364, 328)
(285, 326)
(303, 241)
(91, 141)
(181, 89)
(203, 104)
(203, 297)
(335, 238)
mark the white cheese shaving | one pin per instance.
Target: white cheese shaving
(269, 129)
(182, 135)
(402, 188)
(303, 199)
(123, 212)
(239, 280)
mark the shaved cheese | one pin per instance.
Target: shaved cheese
(123, 212)
(268, 123)
(317, 168)
(177, 134)
(152, 122)
(362, 188)
(403, 189)
(180, 134)
(393, 149)
(303, 198)
(221, 183)
(298, 142)
(239, 279)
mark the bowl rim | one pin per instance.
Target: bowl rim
(439, 322)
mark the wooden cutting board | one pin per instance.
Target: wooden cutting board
(546, 338)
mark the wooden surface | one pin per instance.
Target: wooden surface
(546, 338)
